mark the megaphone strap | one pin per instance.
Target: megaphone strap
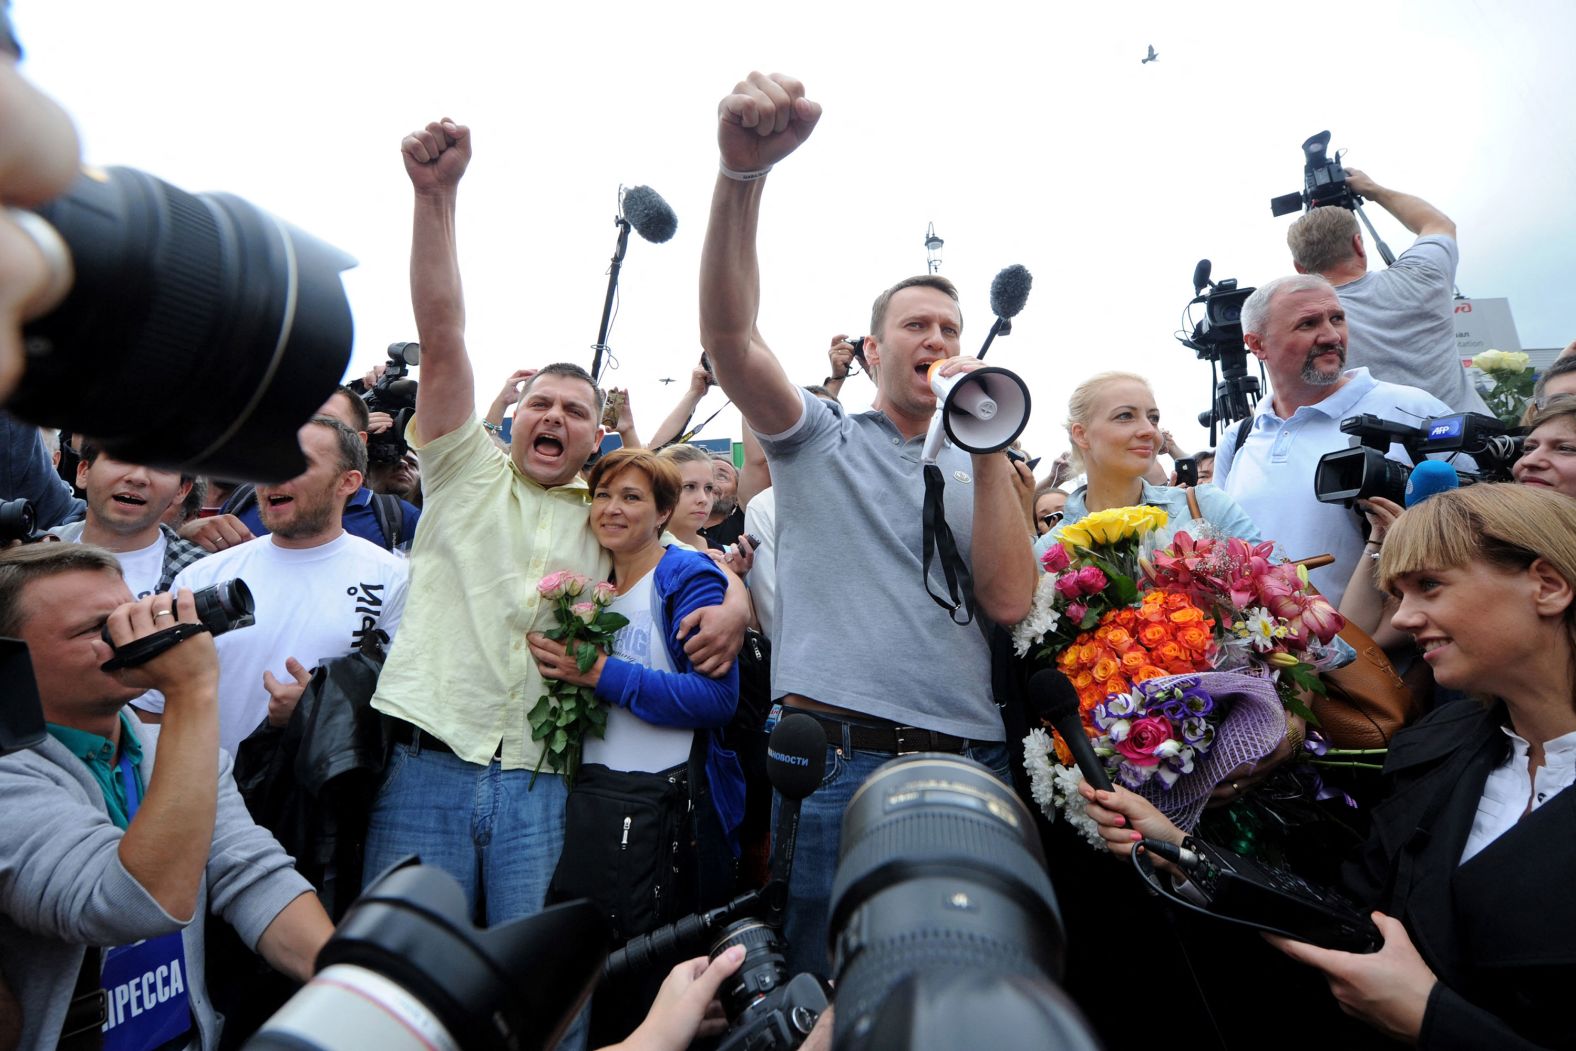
(938, 540)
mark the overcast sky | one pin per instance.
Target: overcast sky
(1028, 133)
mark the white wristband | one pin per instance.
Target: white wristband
(759, 173)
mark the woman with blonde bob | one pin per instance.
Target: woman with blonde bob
(1114, 426)
(1472, 853)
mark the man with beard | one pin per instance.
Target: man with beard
(727, 517)
(319, 591)
(1297, 328)
(126, 505)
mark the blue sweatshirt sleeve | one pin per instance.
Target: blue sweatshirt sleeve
(684, 699)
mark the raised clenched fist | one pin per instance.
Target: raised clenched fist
(764, 120)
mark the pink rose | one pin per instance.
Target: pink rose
(603, 593)
(1055, 559)
(586, 611)
(1143, 737)
(1091, 580)
(575, 584)
(1067, 586)
(1076, 611)
(552, 585)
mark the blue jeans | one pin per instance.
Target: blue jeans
(483, 825)
(815, 853)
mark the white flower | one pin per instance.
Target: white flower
(1055, 787)
(1042, 618)
(1260, 627)
(1492, 361)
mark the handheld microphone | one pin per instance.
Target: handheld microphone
(1201, 276)
(649, 214)
(1053, 699)
(1427, 479)
(795, 764)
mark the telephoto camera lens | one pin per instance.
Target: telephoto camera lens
(764, 967)
(407, 971)
(944, 928)
(18, 521)
(199, 332)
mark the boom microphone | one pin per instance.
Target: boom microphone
(1428, 479)
(1201, 276)
(1053, 699)
(795, 764)
(649, 214)
(1010, 290)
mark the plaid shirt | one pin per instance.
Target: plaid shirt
(178, 554)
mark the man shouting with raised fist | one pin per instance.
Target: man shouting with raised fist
(934, 693)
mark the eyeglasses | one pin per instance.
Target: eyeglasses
(1051, 519)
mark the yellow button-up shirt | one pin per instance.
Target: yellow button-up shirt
(460, 668)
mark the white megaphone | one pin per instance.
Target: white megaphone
(979, 412)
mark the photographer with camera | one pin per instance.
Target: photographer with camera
(825, 465)
(1296, 326)
(1401, 320)
(108, 858)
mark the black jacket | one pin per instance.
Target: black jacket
(1499, 931)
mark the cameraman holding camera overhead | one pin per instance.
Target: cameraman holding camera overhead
(1401, 321)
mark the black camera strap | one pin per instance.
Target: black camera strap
(938, 540)
(141, 651)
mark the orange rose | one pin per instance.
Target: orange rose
(1177, 600)
(1064, 755)
(1115, 684)
(1134, 659)
(1088, 653)
(1147, 672)
(1196, 638)
(1082, 681)
(1188, 615)
(1170, 653)
(1105, 668)
(1119, 638)
(1152, 635)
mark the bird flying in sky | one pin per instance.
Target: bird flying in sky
(1150, 57)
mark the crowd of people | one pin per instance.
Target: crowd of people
(445, 568)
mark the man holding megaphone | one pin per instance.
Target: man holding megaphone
(860, 645)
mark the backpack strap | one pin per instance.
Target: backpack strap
(243, 497)
(1242, 436)
(390, 513)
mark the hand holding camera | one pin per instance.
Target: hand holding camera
(188, 666)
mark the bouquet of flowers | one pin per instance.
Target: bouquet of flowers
(1185, 658)
(564, 714)
(1273, 624)
(1171, 739)
(1510, 382)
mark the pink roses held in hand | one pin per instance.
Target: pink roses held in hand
(1145, 737)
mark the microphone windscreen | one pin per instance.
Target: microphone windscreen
(1010, 290)
(796, 756)
(1200, 276)
(649, 214)
(1428, 478)
(1052, 696)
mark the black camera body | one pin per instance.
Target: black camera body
(1349, 475)
(1323, 181)
(766, 1009)
(1217, 338)
(395, 394)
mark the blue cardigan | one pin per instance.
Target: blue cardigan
(683, 582)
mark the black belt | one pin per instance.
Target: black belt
(414, 736)
(885, 737)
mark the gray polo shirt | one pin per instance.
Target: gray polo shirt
(1401, 324)
(856, 628)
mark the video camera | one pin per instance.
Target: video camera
(1323, 181)
(1217, 338)
(395, 394)
(1348, 475)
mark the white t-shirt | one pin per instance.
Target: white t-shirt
(143, 568)
(631, 743)
(312, 604)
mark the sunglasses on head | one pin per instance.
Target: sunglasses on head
(1051, 519)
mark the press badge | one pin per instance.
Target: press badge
(145, 999)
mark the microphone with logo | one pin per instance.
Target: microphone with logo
(795, 764)
(642, 209)
(1430, 478)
